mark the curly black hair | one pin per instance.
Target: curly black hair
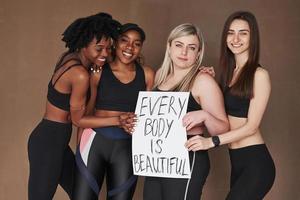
(83, 30)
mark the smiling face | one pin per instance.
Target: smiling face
(238, 37)
(98, 52)
(129, 46)
(184, 51)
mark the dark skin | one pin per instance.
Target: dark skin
(76, 81)
(128, 48)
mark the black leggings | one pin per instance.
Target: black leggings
(252, 173)
(156, 188)
(51, 160)
(98, 155)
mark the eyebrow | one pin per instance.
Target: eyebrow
(100, 45)
(246, 30)
(188, 44)
(123, 35)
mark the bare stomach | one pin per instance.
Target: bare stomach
(108, 113)
(56, 114)
(235, 123)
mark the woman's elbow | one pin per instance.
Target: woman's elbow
(221, 128)
(76, 122)
(224, 127)
(251, 129)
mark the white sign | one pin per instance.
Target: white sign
(159, 136)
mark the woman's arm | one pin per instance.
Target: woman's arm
(80, 85)
(94, 81)
(149, 76)
(212, 115)
(258, 104)
(90, 108)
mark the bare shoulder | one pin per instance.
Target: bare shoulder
(261, 75)
(261, 70)
(204, 79)
(148, 69)
(79, 73)
(204, 84)
(149, 72)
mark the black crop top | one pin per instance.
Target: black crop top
(56, 98)
(234, 105)
(192, 104)
(114, 95)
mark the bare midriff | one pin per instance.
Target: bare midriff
(237, 122)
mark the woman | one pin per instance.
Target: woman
(179, 72)
(246, 86)
(51, 160)
(106, 150)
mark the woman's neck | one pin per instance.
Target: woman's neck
(124, 66)
(241, 59)
(175, 77)
(85, 62)
(180, 73)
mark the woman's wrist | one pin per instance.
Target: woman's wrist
(215, 141)
(204, 116)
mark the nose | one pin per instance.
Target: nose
(104, 52)
(129, 45)
(184, 51)
(236, 38)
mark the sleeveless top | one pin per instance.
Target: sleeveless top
(114, 95)
(192, 103)
(234, 105)
(55, 97)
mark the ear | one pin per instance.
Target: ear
(83, 50)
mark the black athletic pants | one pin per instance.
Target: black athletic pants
(156, 188)
(101, 154)
(51, 160)
(252, 173)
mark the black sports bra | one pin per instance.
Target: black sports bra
(114, 95)
(234, 105)
(192, 104)
(56, 98)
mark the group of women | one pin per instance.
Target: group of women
(95, 86)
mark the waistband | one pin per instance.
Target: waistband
(55, 123)
(252, 150)
(113, 132)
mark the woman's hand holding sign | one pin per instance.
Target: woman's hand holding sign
(127, 121)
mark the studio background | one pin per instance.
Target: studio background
(30, 43)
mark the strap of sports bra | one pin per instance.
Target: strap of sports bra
(68, 68)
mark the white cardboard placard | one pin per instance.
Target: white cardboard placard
(159, 136)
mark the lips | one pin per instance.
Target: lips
(127, 54)
(183, 59)
(101, 59)
(236, 45)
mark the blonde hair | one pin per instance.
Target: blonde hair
(167, 66)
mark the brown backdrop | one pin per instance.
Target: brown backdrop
(30, 33)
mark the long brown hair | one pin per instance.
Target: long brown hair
(243, 86)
